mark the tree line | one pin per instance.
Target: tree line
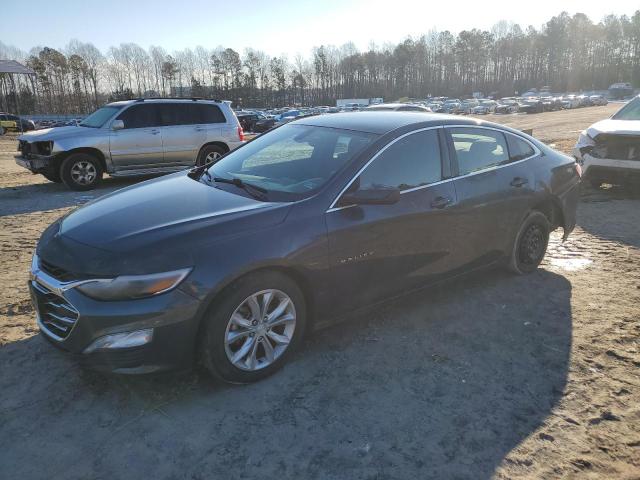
(568, 53)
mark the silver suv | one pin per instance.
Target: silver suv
(133, 137)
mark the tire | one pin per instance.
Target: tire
(530, 245)
(2, 131)
(217, 353)
(53, 176)
(210, 154)
(81, 171)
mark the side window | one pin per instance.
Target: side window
(410, 162)
(139, 116)
(172, 114)
(184, 114)
(518, 148)
(478, 148)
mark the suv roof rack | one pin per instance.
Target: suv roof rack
(195, 99)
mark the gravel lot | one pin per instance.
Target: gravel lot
(493, 376)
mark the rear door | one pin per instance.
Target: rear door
(210, 121)
(494, 189)
(139, 144)
(380, 250)
(182, 133)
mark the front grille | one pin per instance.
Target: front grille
(56, 272)
(56, 315)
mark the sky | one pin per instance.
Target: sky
(283, 27)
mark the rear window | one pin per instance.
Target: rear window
(190, 113)
(210, 113)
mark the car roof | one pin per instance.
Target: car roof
(383, 122)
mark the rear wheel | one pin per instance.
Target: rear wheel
(531, 244)
(210, 154)
(81, 171)
(254, 327)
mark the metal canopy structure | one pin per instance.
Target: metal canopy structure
(10, 68)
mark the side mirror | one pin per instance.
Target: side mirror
(371, 196)
(117, 125)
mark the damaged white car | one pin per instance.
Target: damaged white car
(609, 150)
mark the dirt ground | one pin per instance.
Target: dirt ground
(493, 376)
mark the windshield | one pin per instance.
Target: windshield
(293, 161)
(631, 111)
(99, 117)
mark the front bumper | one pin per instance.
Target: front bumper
(35, 164)
(608, 170)
(172, 316)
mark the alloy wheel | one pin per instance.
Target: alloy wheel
(260, 330)
(83, 172)
(212, 157)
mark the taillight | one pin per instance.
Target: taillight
(240, 133)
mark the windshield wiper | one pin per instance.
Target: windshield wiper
(253, 190)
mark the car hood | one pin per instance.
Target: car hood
(55, 133)
(165, 222)
(618, 127)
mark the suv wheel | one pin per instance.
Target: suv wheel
(81, 171)
(52, 175)
(255, 326)
(209, 154)
(531, 244)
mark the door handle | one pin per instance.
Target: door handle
(440, 202)
(518, 182)
(200, 129)
(155, 132)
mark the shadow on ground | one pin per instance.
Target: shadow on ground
(612, 213)
(52, 196)
(439, 384)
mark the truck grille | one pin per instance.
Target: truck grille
(56, 315)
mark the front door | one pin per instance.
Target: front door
(139, 144)
(381, 250)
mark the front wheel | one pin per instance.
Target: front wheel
(209, 154)
(254, 327)
(531, 244)
(81, 171)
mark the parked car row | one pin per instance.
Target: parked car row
(14, 123)
(41, 124)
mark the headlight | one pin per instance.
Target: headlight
(584, 140)
(133, 286)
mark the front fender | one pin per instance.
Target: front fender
(98, 143)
